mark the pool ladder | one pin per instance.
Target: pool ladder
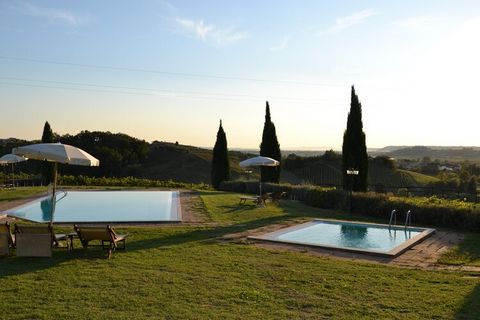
(62, 193)
(408, 219)
(393, 218)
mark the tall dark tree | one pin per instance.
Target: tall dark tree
(354, 149)
(47, 136)
(472, 185)
(220, 162)
(270, 148)
(47, 167)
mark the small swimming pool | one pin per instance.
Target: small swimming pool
(104, 207)
(350, 236)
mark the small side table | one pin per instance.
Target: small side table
(71, 236)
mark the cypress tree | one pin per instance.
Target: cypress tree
(354, 149)
(472, 185)
(47, 136)
(220, 162)
(270, 148)
(47, 167)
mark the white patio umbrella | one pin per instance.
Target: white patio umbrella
(57, 153)
(11, 159)
(259, 162)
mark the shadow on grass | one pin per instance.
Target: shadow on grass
(205, 234)
(238, 208)
(18, 265)
(469, 246)
(291, 211)
(471, 307)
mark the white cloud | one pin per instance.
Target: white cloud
(196, 28)
(56, 15)
(208, 32)
(168, 5)
(343, 23)
(417, 24)
(281, 46)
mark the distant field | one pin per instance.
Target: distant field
(326, 173)
(420, 178)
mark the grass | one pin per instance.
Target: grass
(183, 272)
(466, 253)
(20, 193)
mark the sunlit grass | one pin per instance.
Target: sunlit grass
(20, 192)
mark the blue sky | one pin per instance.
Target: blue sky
(169, 70)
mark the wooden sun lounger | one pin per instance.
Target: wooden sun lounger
(277, 196)
(106, 235)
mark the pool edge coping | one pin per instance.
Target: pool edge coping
(8, 212)
(396, 251)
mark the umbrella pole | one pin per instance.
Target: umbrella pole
(13, 175)
(55, 168)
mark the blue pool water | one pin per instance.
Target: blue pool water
(349, 235)
(104, 206)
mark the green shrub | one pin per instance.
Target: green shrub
(326, 198)
(403, 192)
(127, 182)
(427, 211)
(296, 192)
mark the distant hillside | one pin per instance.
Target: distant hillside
(121, 155)
(321, 171)
(285, 153)
(169, 161)
(441, 153)
(451, 153)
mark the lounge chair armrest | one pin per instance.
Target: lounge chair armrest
(120, 237)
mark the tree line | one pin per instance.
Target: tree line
(116, 152)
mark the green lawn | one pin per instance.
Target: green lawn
(184, 272)
(466, 253)
(20, 193)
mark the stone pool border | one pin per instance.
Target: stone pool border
(392, 253)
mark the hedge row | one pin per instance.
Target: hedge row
(428, 211)
(127, 182)
(431, 211)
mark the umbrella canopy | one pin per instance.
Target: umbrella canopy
(259, 161)
(57, 152)
(11, 158)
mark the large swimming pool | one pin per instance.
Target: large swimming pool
(104, 207)
(350, 236)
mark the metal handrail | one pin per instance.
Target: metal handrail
(408, 218)
(393, 216)
(63, 196)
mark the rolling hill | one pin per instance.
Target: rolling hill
(121, 155)
(441, 153)
(324, 172)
